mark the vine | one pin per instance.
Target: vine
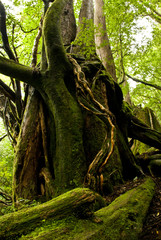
(94, 176)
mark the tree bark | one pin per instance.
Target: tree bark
(86, 13)
(69, 152)
(68, 24)
(29, 156)
(62, 152)
(103, 48)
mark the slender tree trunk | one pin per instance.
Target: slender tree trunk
(68, 24)
(103, 48)
(86, 13)
(84, 43)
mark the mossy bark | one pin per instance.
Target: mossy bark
(64, 136)
(148, 117)
(78, 201)
(69, 152)
(69, 216)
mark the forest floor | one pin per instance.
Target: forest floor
(152, 225)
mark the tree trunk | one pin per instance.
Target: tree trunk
(29, 154)
(68, 24)
(103, 48)
(84, 43)
(86, 13)
(62, 153)
(69, 155)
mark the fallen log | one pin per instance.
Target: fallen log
(122, 219)
(79, 201)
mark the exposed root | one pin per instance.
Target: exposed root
(86, 99)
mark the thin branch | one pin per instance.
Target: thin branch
(29, 31)
(13, 39)
(36, 43)
(1, 138)
(154, 14)
(3, 31)
(157, 13)
(144, 82)
(10, 54)
(155, 17)
(5, 123)
(6, 196)
(7, 91)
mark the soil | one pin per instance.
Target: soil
(152, 225)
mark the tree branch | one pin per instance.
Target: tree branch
(10, 54)
(7, 91)
(29, 31)
(154, 14)
(1, 138)
(21, 72)
(142, 132)
(36, 43)
(3, 31)
(144, 82)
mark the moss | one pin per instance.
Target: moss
(125, 216)
(80, 202)
(62, 229)
(147, 116)
(123, 219)
(52, 38)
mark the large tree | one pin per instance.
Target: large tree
(75, 125)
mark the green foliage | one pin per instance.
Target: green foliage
(6, 162)
(77, 6)
(134, 33)
(85, 38)
(23, 18)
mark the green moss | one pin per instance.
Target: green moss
(79, 202)
(147, 116)
(126, 108)
(125, 216)
(121, 220)
(52, 38)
